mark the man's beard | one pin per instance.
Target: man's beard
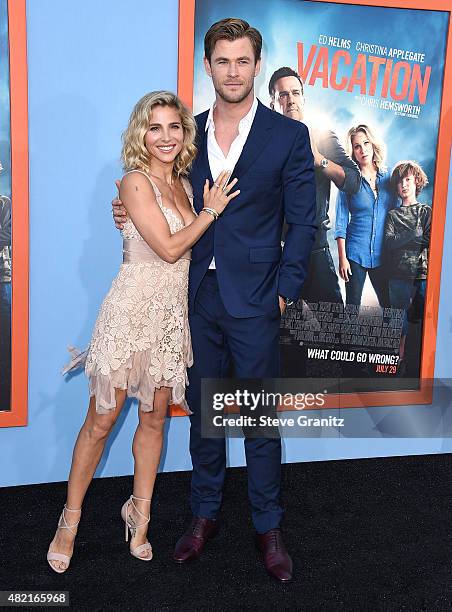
(233, 97)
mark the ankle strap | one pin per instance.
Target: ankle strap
(71, 509)
(63, 519)
(132, 497)
(143, 516)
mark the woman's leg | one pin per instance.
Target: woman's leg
(354, 287)
(85, 459)
(380, 283)
(147, 448)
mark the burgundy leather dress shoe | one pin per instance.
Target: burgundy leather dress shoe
(192, 543)
(277, 560)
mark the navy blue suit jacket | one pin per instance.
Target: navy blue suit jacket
(276, 180)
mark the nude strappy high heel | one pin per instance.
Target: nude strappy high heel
(54, 556)
(130, 524)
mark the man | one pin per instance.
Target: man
(239, 278)
(331, 164)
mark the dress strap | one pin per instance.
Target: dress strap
(157, 192)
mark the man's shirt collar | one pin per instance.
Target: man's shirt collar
(246, 121)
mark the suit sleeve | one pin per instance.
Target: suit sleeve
(332, 149)
(300, 212)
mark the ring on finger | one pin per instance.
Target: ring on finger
(217, 185)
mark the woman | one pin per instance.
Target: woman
(407, 237)
(141, 344)
(360, 218)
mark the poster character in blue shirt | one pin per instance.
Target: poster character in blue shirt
(361, 217)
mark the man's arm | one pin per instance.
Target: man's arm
(299, 211)
(341, 169)
(427, 224)
(398, 236)
(120, 215)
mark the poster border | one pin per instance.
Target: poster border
(440, 190)
(17, 38)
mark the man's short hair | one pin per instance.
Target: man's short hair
(403, 169)
(285, 71)
(232, 29)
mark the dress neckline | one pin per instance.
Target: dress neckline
(158, 194)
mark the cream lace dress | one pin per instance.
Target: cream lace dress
(141, 339)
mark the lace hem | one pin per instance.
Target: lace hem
(133, 376)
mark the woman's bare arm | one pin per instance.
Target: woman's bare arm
(139, 200)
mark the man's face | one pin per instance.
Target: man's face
(406, 187)
(233, 68)
(288, 98)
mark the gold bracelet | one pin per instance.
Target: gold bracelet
(211, 212)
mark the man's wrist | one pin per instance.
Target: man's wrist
(287, 301)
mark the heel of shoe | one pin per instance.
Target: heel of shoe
(125, 518)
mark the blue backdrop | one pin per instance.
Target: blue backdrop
(88, 63)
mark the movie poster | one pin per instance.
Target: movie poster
(5, 215)
(367, 81)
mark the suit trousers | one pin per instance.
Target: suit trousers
(251, 346)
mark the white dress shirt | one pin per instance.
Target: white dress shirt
(217, 160)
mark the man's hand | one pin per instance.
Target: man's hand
(282, 305)
(119, 212)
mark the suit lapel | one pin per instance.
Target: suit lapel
(257, 139)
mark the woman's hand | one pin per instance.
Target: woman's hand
(219, 196)
(345, 270)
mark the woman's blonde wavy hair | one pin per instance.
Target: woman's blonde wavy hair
(134, 154)
(377, 144)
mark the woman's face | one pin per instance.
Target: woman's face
(165, 135)
(363, 151)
